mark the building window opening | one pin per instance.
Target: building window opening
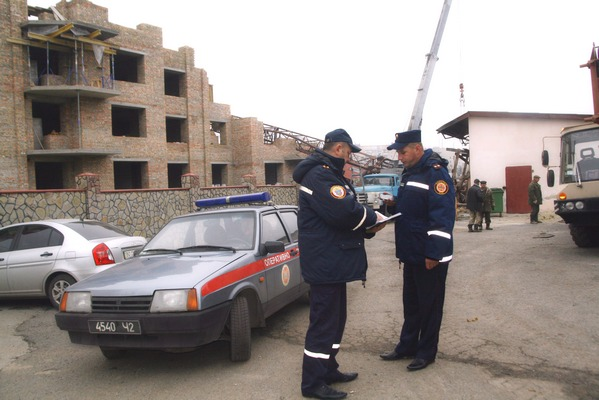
(126, 121)
(48, 175)
(175, 171)
(174, 130)
(49, 114)
(127, 67)
(173, 83)
(218, 128)
(130, 175)
(272, 172)
(43, 63)
(219, 175)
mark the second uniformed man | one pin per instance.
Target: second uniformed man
(424, 244)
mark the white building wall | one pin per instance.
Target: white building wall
(497, 143)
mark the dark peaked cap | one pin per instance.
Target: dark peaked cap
(402, 139)
(340, 135)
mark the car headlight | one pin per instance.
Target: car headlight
(174, 300)
(579, 205)
(569, 206)
(80, 302)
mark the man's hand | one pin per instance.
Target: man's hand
(430, 263)
(376, 228)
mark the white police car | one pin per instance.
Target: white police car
(205, 276)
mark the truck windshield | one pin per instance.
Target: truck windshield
(580, 156)
(378, 180)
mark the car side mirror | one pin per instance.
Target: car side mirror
(550, 178)
(273, 246)
(545, 158)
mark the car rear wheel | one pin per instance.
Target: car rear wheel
(239, 324)
(112, 354)
(56, 288)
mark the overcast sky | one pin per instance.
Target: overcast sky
(312, 66)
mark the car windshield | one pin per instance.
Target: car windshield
(92, 230)
(381, 180)
(206, 232)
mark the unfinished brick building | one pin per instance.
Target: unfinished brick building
(79, 94)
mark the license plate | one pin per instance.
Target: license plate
(115, 327)
(128, 254)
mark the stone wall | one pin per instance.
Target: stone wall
(137, 212)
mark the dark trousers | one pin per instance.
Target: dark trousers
(328, 313)
(487, 215)
(423, 298)
(534, 212)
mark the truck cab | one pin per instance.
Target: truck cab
(375, 188)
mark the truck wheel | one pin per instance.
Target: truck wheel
(584, 236)
(239, 325)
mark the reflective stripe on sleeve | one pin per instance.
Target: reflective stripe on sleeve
(417, 184)
(446, 259)
(317, 355)
(440, 233)
(336, 346)
(306, 190)
(361, 221)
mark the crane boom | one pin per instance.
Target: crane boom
(431, 59)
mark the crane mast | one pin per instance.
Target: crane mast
(431, 59)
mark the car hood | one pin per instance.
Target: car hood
(143, 275)
(373, 188)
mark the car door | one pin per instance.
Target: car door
(281, 288)
(32, 258)
(290, 220)
(7, 240)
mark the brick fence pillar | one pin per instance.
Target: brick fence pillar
(91, 184)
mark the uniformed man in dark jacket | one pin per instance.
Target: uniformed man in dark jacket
(474, 204)
(424, 244)
(332, 228)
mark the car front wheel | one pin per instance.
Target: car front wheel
(239, 325)
(56, 288)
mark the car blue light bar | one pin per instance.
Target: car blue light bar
(238, 199)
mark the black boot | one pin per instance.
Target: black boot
(476, 228)
(489, 227)
(470, 228)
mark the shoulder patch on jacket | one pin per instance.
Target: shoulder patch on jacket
(338, 191)
(441, 187)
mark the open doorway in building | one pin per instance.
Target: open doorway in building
(218, 128)
(175, 171)
(49, 114)
(175, 132)
(219, 174)
(128, 67)
(43, 62)
(130, 175)
(48, 175)
(272, 173)
(128, 121)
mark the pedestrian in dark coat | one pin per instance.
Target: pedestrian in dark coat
(424, 244)
(474, 204)
(488, 204)
(332, 228)
(535, 199)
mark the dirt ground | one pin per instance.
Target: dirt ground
(521, 322)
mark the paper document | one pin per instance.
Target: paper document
(385, 219)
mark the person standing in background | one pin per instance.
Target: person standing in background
(474, 204)
(535, 199)
(488, 204)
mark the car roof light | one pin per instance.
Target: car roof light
(261, 197)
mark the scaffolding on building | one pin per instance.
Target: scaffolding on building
(367, 163)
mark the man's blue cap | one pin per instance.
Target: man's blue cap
(402, 139)
(340, 135)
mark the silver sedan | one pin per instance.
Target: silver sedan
(43, 258)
